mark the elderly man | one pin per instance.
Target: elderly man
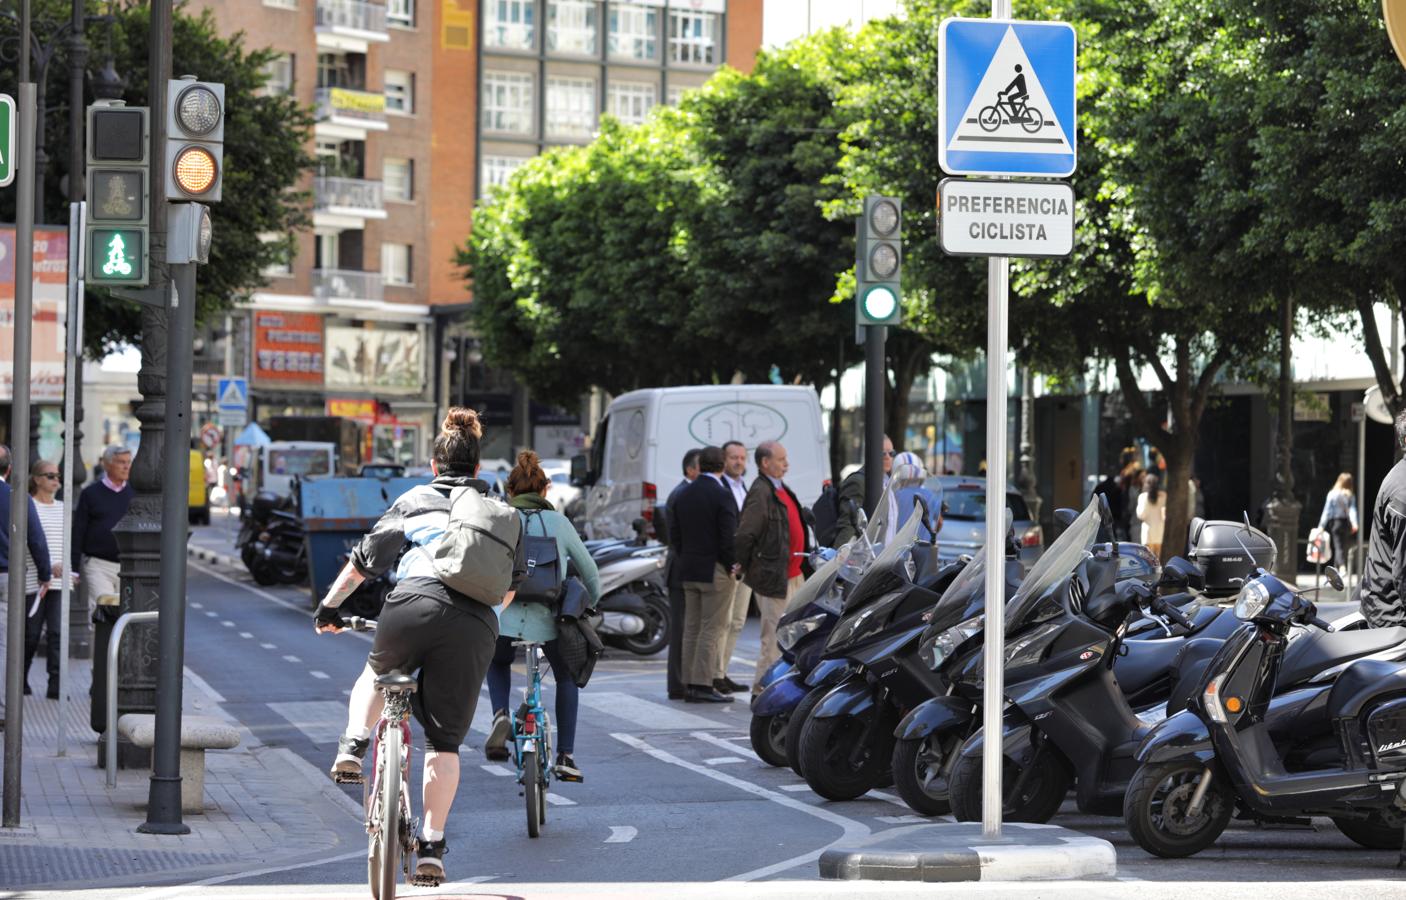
(771, 541)
(100, 506)
(734, 478)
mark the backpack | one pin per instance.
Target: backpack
(479, 548)
(827, 516)
(544, 566)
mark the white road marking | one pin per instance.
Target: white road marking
(887, 798)
(795, 788)
(726, 744)
(195, 605)
(279, 601)
(212, 614)
(645, 715)
(500, 771)
(316, 674)
(184, 890)
(853, 830)
(622, 834)
(558, 800)
(203, 685)
(322, 721)
(291, 658)
(269, 646)
(901, 820)
(227, 623)
(723, 760)
(246, 635)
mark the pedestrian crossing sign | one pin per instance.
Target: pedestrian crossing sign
(1006, 98)
(233, 395)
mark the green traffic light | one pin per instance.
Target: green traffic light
(880, 303)
(117, 255)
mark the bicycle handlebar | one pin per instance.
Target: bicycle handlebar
(357, 623)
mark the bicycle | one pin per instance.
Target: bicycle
(1028, 117)
(532, 743)
(390, 824)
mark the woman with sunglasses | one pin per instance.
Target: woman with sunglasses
(43, 612)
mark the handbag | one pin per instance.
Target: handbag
(575, 600)
(580, 647)
(1320, 547)
(544, 568)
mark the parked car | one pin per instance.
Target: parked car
(964, 519)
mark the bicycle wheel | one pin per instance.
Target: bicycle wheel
(531, 778)
(1034, 120)
(989, 118)
(384, 857)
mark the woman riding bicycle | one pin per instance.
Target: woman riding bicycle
(425, 625)
(527, 488)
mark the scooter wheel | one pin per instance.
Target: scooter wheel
(796, 724)
(918, 774)
(768, 735)
(837, 764)
(1039, 799)
(1374, 832)
(1155, 809)
(264, 573)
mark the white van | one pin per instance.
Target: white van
(277, 463)
(637, 452)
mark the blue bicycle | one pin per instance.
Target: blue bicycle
(532, 742)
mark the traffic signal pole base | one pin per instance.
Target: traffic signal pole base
(957, 852)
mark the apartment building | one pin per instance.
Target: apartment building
(420, 106)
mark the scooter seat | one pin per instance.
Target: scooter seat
(1322, 650)
(1146, 663)
(1360, 682)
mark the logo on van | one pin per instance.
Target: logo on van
(750, 423)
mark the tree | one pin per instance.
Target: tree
(265, 158)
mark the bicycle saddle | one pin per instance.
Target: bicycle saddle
(396, 682)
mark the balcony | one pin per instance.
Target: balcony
(333, 285)
(350, 25)
(348, 114)
(342, 203)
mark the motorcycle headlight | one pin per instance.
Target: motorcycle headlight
(787, 635)
(1251, 600)
(850, 628)
(937, 650)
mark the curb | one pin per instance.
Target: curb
(941, 852)
(210, 556)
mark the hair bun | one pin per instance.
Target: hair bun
(528, 459)
(463, 420)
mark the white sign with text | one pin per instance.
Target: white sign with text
(1006, 218)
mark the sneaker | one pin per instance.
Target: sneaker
(429, 863)
(565, 769)
(496, 747)
(346, 768)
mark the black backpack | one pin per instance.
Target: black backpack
(827, 516)
(544, 566)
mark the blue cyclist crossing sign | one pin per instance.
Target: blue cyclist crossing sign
(1006, 98)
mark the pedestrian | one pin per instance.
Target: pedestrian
(912, 487)
(527, 486)
(852, 501)
(101, 505)
(1339, 516)
(1198, 497)
(734, 477)
(1384, 572)
(1132, 478)
(771, 544)
(707, 528)
(38, 552)
(677, 687)
(1152, 512)
(1111, 487)
(44, 611)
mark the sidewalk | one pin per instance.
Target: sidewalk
(264, 806)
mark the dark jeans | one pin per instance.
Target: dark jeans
(500, 676)
(676, 616)
(1340, 530)
(46, 617)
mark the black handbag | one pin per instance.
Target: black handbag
(544, 568)
(580, 647)
(575, 600)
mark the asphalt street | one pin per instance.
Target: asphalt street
(672, 794)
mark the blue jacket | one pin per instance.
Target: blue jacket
(38, 546)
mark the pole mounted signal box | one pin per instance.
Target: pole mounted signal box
(119, 194)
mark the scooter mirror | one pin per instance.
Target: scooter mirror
(1065, 517)
(1335, 578)
(1182, 574)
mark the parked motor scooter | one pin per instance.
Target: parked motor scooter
(634, 607)
(271, 540)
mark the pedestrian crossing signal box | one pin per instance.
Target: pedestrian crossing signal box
(118, 193)
(878, 262)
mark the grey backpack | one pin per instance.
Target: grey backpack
(476, 555)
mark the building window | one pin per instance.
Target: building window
(333, 70)
(395, 263)
(495, 171)
(571, 26)
(508, 23)
(630, 102)
(693, 37)
(676, 93)
(400, 92)
(400, 13)
(634, 32)
(507, 102)
(281, 268)
(279, 74)
(398, 174)
(571, 107)
(282, 4)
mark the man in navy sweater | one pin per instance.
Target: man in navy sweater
(100, 506)
(38, 546)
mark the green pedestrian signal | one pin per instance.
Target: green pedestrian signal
(878, 261)
(7, 139)
(117, 256)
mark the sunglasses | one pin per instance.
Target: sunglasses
(890, 453)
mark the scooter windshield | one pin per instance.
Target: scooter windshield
(969, 585)
(881, 577)
(1058, 561)
(821, 582)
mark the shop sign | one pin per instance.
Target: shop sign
(288, 348)
(46, 370)
(376, 357)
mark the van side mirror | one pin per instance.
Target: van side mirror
(580, 471)
(1183, 574)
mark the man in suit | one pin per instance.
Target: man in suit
(673, 577)
(734, 479)
(707, 525)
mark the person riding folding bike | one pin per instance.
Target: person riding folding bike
(425, 625)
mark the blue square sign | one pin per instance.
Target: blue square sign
(1006, 97)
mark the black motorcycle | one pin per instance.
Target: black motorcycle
(272, 542)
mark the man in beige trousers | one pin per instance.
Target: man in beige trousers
(703, 546)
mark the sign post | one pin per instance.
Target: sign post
(1005, 108)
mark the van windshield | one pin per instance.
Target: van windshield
(299, 462)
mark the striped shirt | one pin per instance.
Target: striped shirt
(51, 517)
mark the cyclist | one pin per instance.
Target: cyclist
(1016, 94)
(424, 625)
(527, 488)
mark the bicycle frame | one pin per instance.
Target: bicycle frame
(396, 714)
(531, 725)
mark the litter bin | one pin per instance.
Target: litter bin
(337, 512)
(104, 617)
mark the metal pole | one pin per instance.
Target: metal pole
(164, 799)
(874, 419)
(1361, 491)
(114, 647)
(19, 439)
(72, 372)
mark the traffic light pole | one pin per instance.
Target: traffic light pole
(874, 337)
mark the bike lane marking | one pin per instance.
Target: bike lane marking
(853, 829)
(729, 744)
(622, 834)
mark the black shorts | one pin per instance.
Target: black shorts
(450, 644)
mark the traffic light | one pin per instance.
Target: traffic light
(195, 136)
(879, 248)
(119, 193)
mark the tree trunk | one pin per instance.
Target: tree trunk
(1179, 457)
(907, 363)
